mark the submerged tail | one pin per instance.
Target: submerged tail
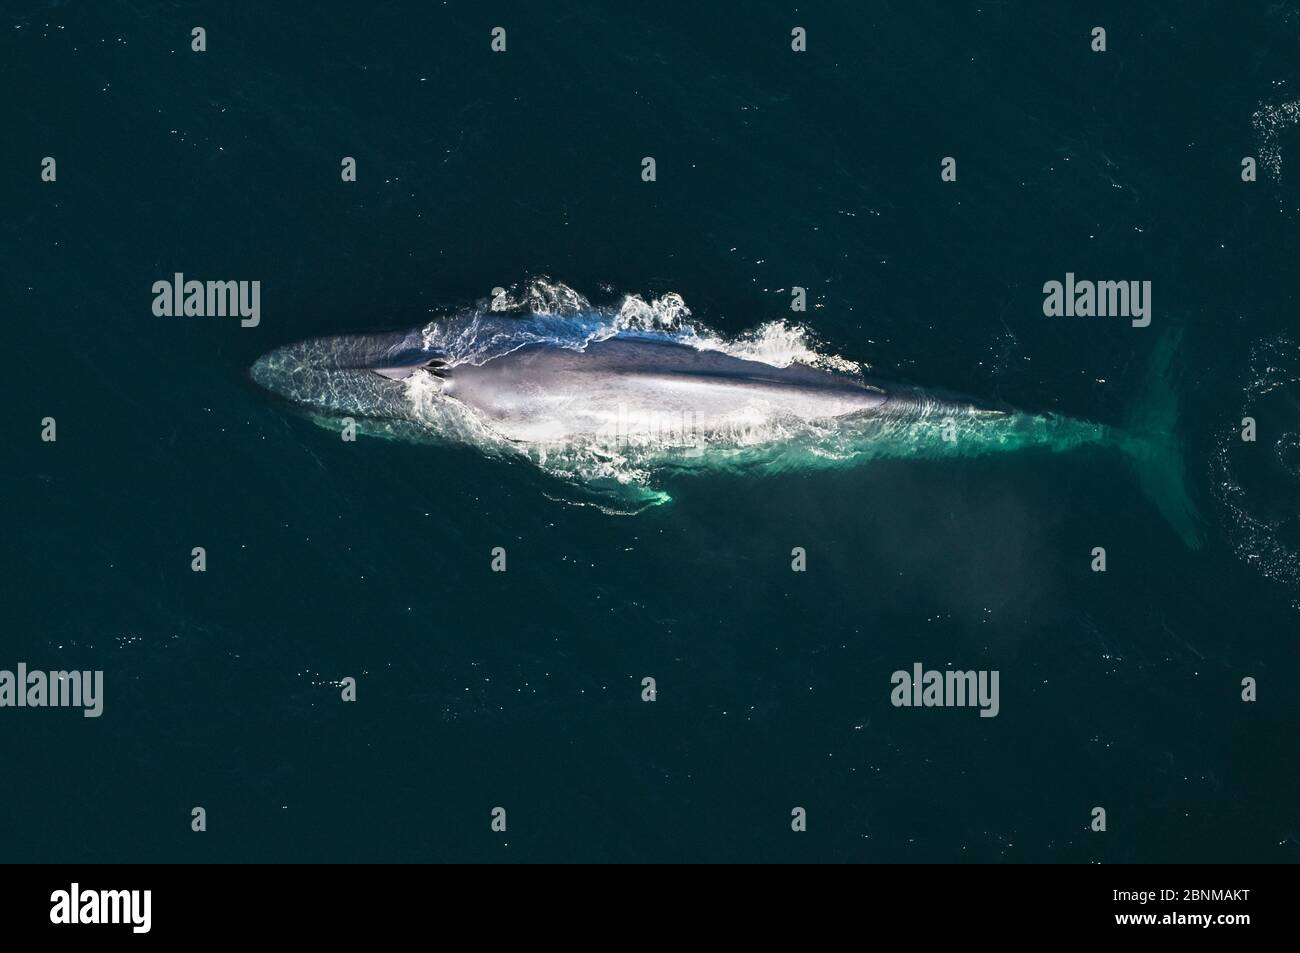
(1151, 442)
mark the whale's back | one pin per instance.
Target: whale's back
(637, 387)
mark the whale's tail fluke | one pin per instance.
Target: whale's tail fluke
(1152, 444)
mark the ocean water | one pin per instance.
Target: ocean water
(522, 170)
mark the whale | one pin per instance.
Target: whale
(622, 411)
(547, 392)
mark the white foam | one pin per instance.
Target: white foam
(1261, 514)
(1269, 121)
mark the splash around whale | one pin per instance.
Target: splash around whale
(617, 401)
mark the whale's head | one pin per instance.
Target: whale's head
(356, 375)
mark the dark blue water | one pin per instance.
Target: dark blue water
(371, 560)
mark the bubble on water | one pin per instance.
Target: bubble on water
(1257, 483)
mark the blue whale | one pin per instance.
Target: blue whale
(603, 406)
